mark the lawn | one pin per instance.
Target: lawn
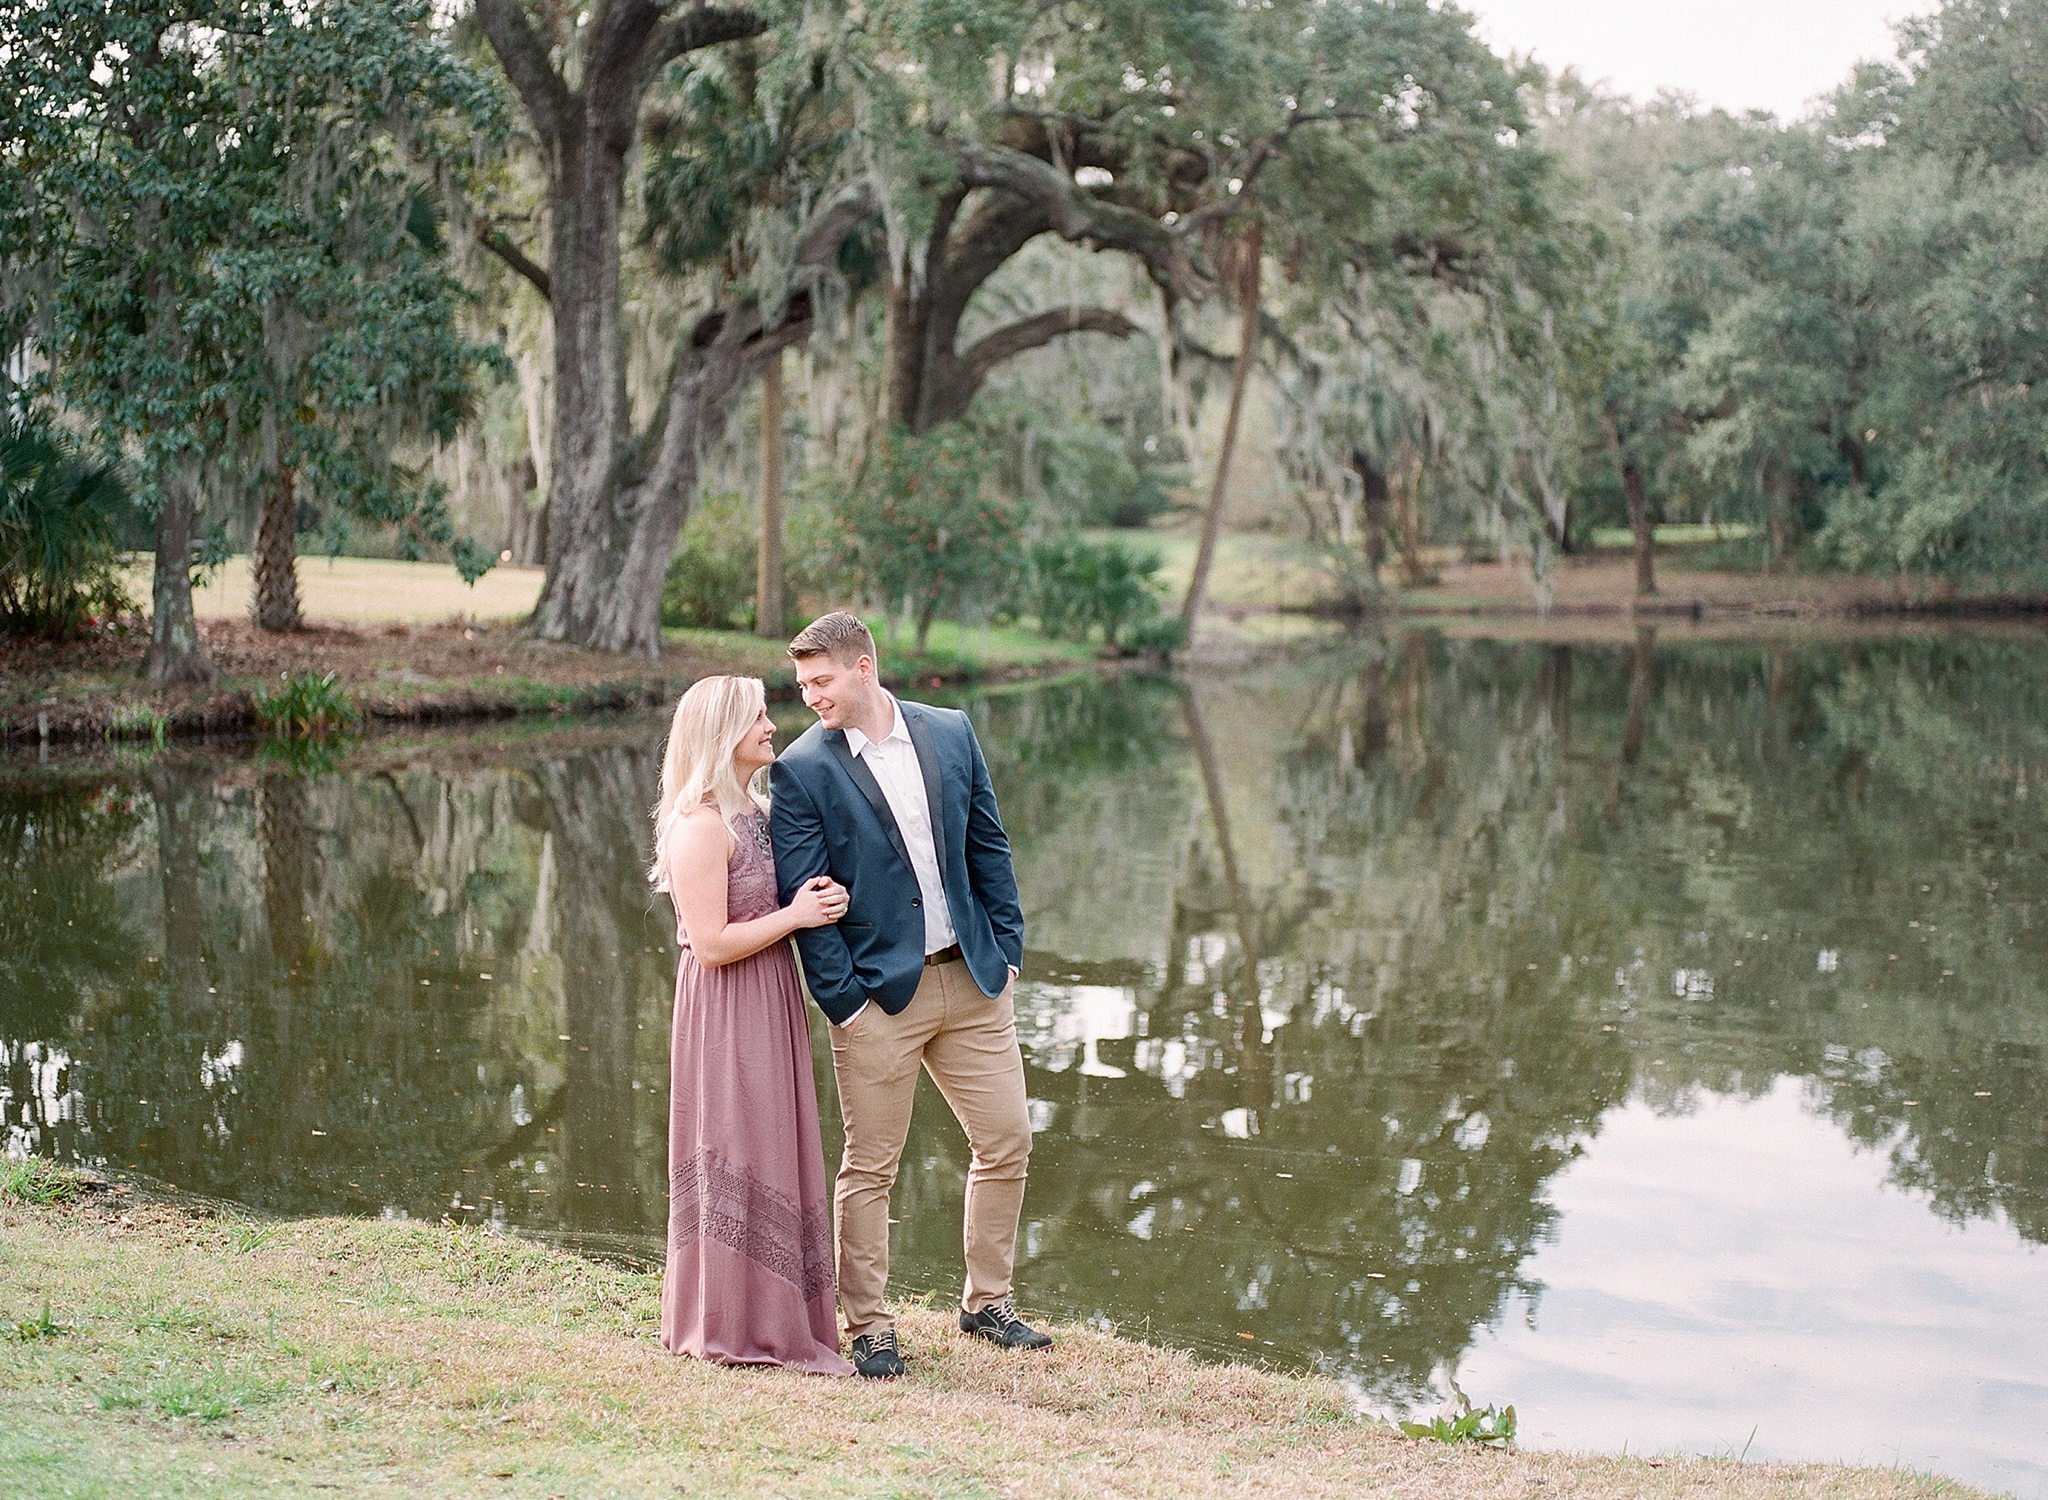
(152, 1346)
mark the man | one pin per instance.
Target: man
(893, 801)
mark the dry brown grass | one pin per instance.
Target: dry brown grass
(359, 1357)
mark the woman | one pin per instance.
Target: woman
(749, 1224)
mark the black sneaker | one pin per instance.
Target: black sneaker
(1000, 1325)
(875, 1356)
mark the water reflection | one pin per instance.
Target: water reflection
(1336, 972)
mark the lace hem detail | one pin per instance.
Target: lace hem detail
(711, 1199)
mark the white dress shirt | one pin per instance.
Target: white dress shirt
(893, 760)
(894, 764)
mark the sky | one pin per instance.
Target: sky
(1739, 54)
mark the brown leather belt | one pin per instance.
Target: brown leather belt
(943, 956)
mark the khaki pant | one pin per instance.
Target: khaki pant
(968, 1043)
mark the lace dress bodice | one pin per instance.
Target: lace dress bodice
(750, 872)
(749, 879)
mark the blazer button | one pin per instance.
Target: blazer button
(915, 902)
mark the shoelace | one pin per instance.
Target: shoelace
(877, 1342)
(1004, 1312)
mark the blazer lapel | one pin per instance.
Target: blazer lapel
(870, 788)
(928, 762)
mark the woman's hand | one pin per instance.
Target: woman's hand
(818, 902)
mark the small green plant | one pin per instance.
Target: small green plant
(138, 721)
(40, 1327)
(1464, 1425)
(211, 1397)
(41, 1183)
(250, 1235)
(926, 529)
(306, 705)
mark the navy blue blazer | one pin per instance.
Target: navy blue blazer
(828, 817)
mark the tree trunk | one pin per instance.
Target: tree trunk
(1373, 483)
(277, 572)
(616, 500)
(768, 611)
(906, 349)
(1777, 491)
(1249, 249)
(1407, 503)
(591, 419)
(526, 524)
(1637, 495)
(1641, 530)
(175, 654)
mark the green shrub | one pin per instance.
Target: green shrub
(710, 582)
(308, 705)
(60, 523)
(1159, 635)
(927, 528)
(1077, 586)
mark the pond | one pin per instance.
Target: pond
(1654, 1036)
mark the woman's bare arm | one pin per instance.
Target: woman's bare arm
(699, 847)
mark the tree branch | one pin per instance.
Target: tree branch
(693, 30)
(817, 244)
(524, 57)
(500, 244)
(1079, 216)
(1032, 333)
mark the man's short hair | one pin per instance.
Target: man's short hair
(838, 635)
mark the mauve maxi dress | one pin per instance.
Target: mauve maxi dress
(749, 1278)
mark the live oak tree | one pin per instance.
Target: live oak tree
(1432, 272)
(214, 246)
(619, 493)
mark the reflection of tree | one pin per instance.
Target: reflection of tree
(357, 1059)
(613, 950)
(1441, 932)
(1642, 677)
(291, 858)
(61, 940)
(181, 788)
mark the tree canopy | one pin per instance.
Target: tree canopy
(277, 256)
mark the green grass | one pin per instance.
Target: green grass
(1487, 1427)
(356, 1358)
(32, 1180)
(1673, 534)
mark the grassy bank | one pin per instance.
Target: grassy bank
(415, 670)
(150, 1346)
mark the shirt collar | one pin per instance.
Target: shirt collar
(858, 742)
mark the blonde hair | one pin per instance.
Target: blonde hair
(697, 766)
